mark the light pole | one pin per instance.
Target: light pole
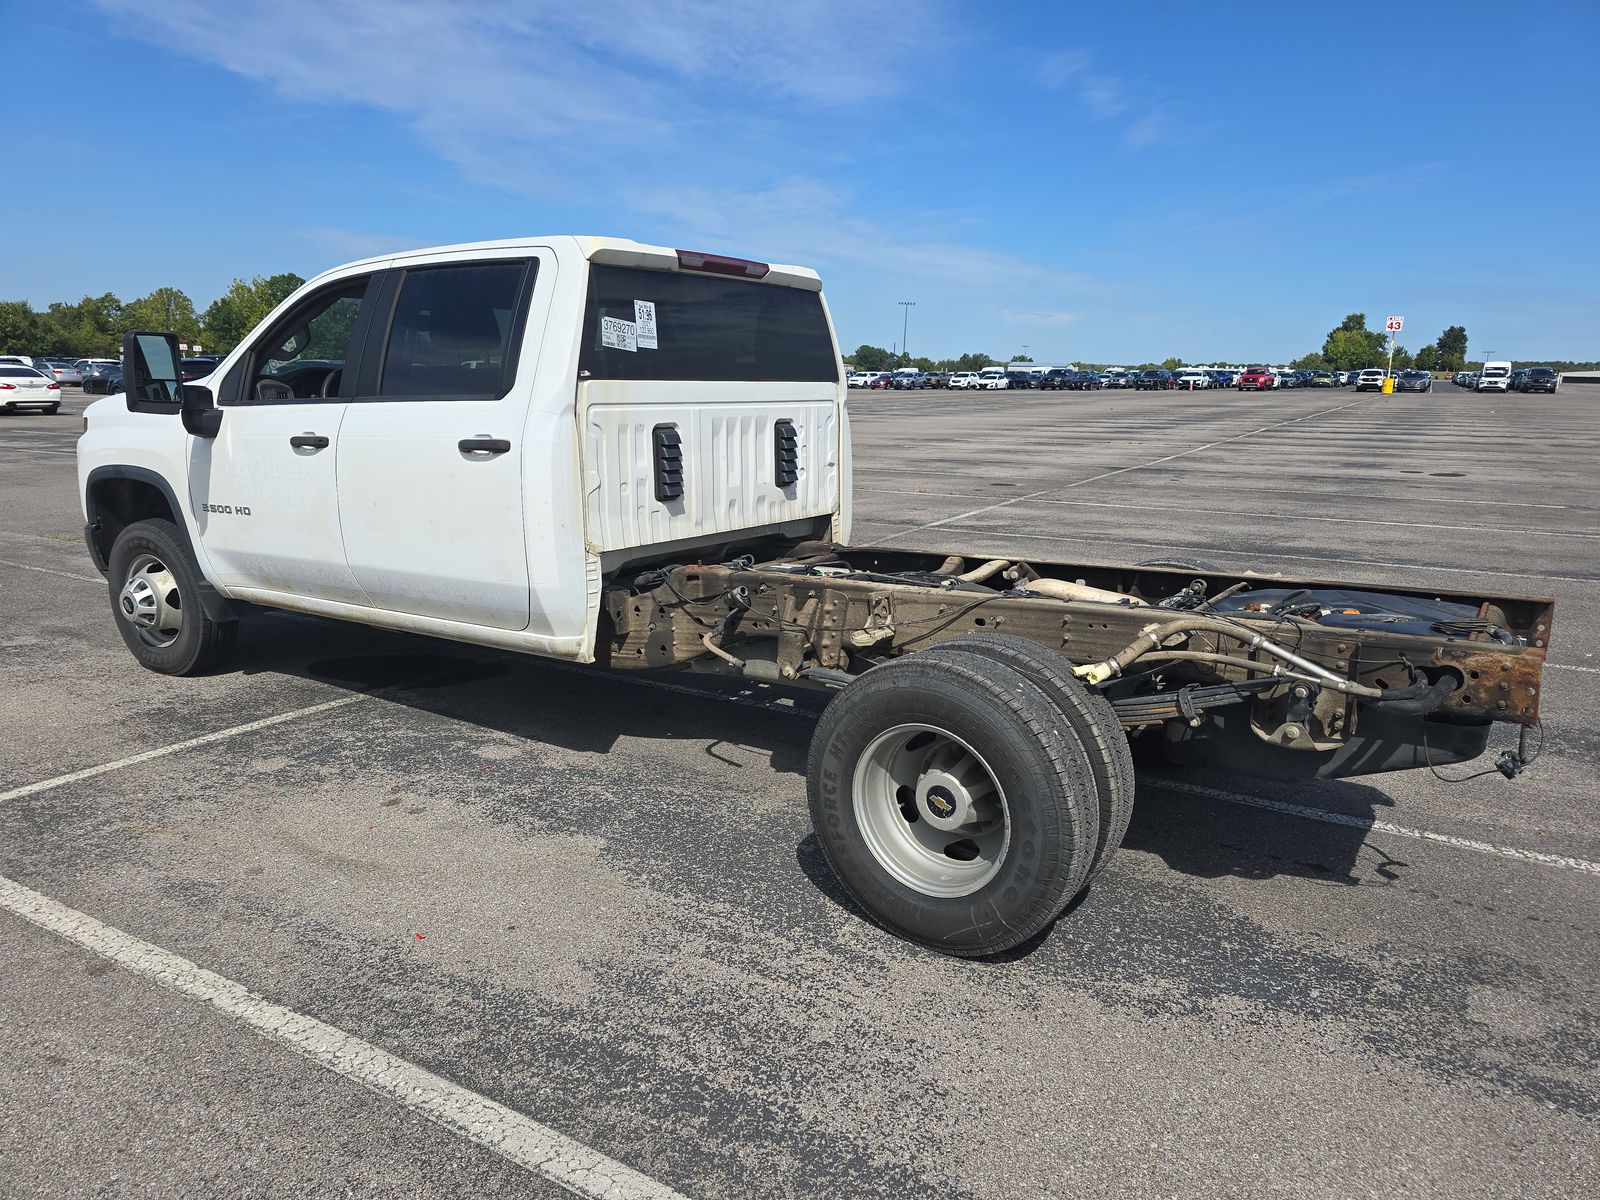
(905, 323)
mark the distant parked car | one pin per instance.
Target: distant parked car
(63, 371)
(1192, 379)
(1322, 379)
(963, 380)
(1116, 379)
(1371, 380)
(1055, 379)
(994, 379)
(106, 382)
(1495, 377)
(1414, 381)
(1155, 380)
(27, 389)
(1256, 379)
(1023, 379)
(883, 379)
(1539, 379)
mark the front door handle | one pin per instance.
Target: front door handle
(309, 441)
(483, 446)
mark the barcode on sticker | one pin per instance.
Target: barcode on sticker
(618, 334)
(644, 318)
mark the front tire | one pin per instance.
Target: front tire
(155, 600)
(953, 802)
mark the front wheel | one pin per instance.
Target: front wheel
(155, 598)
(953, 802)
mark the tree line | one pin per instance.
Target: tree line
(93, 327)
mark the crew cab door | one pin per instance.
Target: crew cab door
(263, 490)
(431, 452)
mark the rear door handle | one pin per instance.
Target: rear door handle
(309, 441)
(483, 445)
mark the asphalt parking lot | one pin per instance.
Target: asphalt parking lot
(596, 901)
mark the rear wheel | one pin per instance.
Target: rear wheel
(953, 802)
(1088, 714)
(155, 597)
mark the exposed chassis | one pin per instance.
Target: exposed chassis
(816, 614)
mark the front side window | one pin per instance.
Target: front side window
(303, 357)
(452, 333)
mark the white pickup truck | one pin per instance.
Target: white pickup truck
(638, 457)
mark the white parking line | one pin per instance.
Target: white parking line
(45, 785)
(1566, 667)
(1269, 516)
(515, 1137)
(1334, 818)
(1154, 462)
(35, 450)
(1173, 548)
(5, 562)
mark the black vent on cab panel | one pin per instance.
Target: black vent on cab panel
(669, 462)
(785, 454)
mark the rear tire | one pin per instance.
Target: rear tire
(155, 600)
(1090, 717)
(926, 740)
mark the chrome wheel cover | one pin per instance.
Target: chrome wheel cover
(150, 603)
(931, 811)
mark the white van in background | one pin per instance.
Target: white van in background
(1495, 377)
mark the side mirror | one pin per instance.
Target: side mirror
(150, 374)
(152, 377)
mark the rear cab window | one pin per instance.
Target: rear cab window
(641, 324)
(453, 331)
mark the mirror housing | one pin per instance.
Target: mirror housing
(201, 417)
(152, 378)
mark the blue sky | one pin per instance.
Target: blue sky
(1103, 182)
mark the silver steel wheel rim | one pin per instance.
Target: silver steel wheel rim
(931, 811)
(149, 601)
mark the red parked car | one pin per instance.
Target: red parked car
(1257, 379)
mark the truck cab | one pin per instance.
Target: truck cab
(466, 440)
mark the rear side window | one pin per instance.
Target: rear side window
(452, 335)
(666, 325)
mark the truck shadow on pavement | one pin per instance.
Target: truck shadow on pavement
(1211, 838)
(582, 709)
(586, 709)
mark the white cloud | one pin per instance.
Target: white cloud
(349, 244)
(1106, 96)
(812, 222)
(1040, 318)
(668, 117)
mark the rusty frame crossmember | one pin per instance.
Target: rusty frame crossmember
(796, 616)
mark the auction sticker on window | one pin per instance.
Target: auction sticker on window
(619, 335)
(644, 318)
